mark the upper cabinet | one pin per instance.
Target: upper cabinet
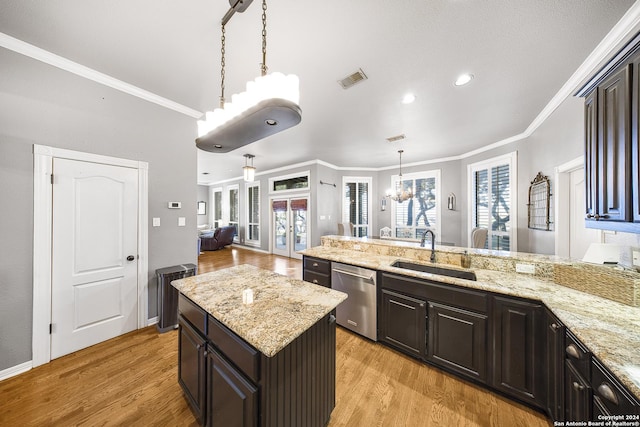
(612, 120)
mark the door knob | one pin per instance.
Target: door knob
(130, 258)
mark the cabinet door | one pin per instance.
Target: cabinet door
(635, 141)
(232, 400)
(518, 366)
(591, 154)
(577, 395)
(555, 367)
(191, 366)
(457, 340)
(614, 154)
(403, 323)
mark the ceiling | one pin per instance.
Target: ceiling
(521, 53)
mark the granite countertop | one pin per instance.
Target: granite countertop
(282, 308)
(609, 329)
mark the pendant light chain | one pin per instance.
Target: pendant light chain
(222, 64)
(263, 67)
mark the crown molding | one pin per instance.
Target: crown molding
(58, 61)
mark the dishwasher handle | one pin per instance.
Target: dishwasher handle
(370, 278)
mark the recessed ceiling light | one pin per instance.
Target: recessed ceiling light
(408, 98)
(463, 79)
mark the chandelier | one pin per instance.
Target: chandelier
(268, 105)
(401, 193)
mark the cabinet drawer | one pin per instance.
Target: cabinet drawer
(193, 313)
(578, 354)
(241, 354)
(433, 291)
(610, 393)
(317, 278)
(317, 265)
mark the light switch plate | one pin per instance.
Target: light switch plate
(156, 222)
(182, 221)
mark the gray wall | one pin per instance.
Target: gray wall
(558, 140)
(44, 105)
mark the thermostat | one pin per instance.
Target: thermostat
(175, 205)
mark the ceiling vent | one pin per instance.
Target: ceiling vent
(396, 138)
(352, 79)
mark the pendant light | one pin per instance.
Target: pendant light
(401, 194)
(249, 172)
(268, 106)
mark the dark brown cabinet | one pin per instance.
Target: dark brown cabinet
(578, 395)
(192, 367)
(612, 99)
(555, 331)
(458, 340)
(403, 323)
(518, 344)
(317, 271)
(232, 400)
(609, 396)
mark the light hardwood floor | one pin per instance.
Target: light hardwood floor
(132, 381)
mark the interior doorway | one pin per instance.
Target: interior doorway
(96, 290)
(289, 225)
(572, 237)
(95, 254)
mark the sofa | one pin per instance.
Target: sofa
(218, 238)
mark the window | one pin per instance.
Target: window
(493, 204)
(412, 218)
(233, 208)
(289, 183)
(356, 206)
(253, 214)
(217, 207)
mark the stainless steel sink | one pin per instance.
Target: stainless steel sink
(442, 271)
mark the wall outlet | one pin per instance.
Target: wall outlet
(636, 258)
(526, 268)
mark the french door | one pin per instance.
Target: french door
(289, 228)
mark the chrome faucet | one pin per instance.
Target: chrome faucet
(433, 243)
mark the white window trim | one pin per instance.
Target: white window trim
(247, 186)
(512, 160)
(212, 210)
(288, 176)
(359, 179)
(436, 173)
(227, 215)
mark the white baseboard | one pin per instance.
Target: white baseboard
(15, 370)
(152, 321)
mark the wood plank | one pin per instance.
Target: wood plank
(132, 380)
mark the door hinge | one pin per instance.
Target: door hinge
(51, 178)
(50, 328)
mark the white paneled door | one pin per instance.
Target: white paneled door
(94, 267)
(580, 236)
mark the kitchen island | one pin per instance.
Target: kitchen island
(259, 357)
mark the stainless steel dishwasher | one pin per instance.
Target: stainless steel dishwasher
(358, 312)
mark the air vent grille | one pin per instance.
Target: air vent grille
(352, 79)
(396, 138)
